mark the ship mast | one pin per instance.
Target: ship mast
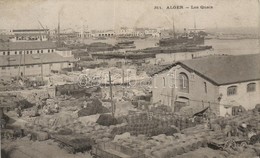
(259, 25)
(173, 27)
(59, 30)
(194, 23)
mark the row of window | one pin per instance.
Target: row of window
(232, 90)
(28, 66)
(27, 52)
(183, 82)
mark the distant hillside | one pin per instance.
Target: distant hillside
(239, 30)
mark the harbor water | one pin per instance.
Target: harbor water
(229, 47)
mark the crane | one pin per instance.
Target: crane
(45, 30)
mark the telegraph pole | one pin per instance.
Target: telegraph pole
(41, 69)
(24, 64)
(111, 95)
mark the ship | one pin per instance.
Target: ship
(188, 37)
(194, 37)
(125, 44)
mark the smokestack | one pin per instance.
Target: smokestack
(173, 28)
(59, 31)
(194, 22)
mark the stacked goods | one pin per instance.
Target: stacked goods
(106, 120)
(162, 146)
(145, 128)
(93, 108)
(74, 144)
(115, 150)
(161, 109)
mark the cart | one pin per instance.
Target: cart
(223, 142)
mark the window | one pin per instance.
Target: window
(205, 87)
(3, 68)
(163, 81)
(15, 52)
(15, 67)
(52, 50)
(8, 53)
(28, 66)
(232, 90)
(48, 51)
(251, 87)
(184, 83)
(31, 51)
(41, 51)
(27, 52)
(38, 51)
(20, 52)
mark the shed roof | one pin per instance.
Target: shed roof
(12, 46)
(32, 59)
(224, 70)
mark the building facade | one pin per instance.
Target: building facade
(30, 35)
(33, 58)
(18, 48)
(173, 57)
(34, 64)
(218, 82)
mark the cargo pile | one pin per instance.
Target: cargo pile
(162, 146)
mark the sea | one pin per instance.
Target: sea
(229, 47)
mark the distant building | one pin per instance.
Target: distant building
(85, 34)
(130, 32)
(220, 82)
(152, 33)
(24, 35)
(107, 33)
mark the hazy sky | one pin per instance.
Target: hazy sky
(109, 14)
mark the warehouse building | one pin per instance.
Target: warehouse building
(34, 64)
(18, 48)
(220, 82)
(33, 58)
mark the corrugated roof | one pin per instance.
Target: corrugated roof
(31, 30)
(31, 59)
(5, 46)
(223, 70)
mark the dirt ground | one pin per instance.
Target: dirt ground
(24, 148)
(210, 153)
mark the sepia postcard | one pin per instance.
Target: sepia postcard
(130, 78)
